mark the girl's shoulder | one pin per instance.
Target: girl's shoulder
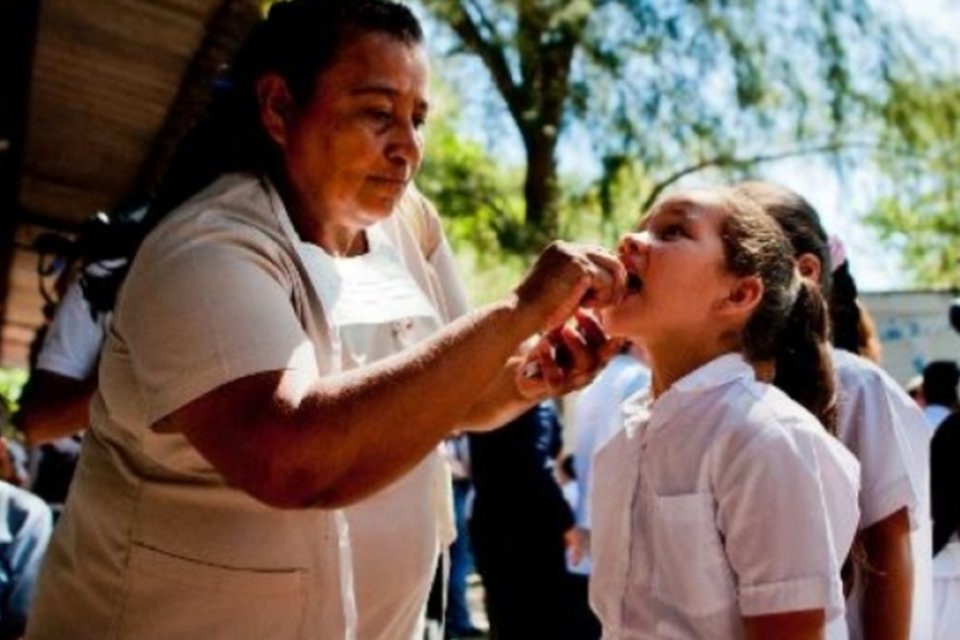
(754, 409)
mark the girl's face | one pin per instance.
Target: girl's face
(677, 268)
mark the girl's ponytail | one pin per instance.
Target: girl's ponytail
(804, 368)
(844, 311)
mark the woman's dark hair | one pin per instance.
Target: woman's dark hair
(800, 221)
(945, 481)
(789, 325)
(298, 40)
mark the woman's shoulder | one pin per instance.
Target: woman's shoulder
(236, 209)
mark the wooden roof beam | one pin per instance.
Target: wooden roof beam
(228, 27)
(18, 37)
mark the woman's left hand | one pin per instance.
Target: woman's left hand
(566, 358)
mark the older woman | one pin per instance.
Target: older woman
(284, 359)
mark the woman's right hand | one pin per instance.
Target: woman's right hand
(567, 276)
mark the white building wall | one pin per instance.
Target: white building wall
(914, 328)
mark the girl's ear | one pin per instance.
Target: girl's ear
(276, 106)
(809, 267)
(744, 295)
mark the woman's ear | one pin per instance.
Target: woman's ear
(276, 107)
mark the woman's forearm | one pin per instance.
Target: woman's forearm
(335, 440)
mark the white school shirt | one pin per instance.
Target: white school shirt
(722, 498)
(596, 418)
(946, 591)
(154, 543)
(71, 346)
(887, 432)
(935, 414)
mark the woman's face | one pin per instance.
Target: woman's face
(353, 148)
(676, 261)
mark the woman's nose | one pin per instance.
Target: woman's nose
(406, 145)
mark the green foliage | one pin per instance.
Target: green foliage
(920, 215)
(479, 198)
(11, 386)
(665, 85)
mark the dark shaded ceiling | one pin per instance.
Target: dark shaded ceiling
(100, 91)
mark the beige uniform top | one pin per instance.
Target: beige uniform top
(153, 544)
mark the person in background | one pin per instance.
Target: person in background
(518, 524)
(26, 523)
(596, 418)
(940, 380)
(883, 428)
(458, 621)
(724, 508)
(914, 389)
(54, 407)
(261, 460)
(869, 345)
(945, 506)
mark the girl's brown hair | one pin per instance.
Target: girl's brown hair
(790, 324)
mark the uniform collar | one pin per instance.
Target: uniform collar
(637, 409)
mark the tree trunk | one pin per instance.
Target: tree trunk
(540, 187)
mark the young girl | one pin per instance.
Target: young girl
(885, 430)
(723, 509)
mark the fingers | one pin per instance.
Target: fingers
(608, 278)
(566, 358)
(567, 276)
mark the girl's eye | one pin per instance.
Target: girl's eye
(672, 231)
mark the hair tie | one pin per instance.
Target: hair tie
(222, 81)
(838, 252)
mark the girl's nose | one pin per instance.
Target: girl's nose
(638, 242)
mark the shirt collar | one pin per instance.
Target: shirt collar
(715, 373)
(637, 409)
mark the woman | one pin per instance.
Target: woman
(883, 428)
(277, 354)
(723, 508)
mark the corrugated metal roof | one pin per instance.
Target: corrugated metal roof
(114, 83)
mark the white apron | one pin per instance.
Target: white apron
(375, 309)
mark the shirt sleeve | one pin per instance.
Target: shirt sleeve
(208, 310)
(71, 347)
(878, 420)
(780, 534)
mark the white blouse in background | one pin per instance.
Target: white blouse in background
(887, 432)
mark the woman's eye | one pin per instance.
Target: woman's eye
(380, 116)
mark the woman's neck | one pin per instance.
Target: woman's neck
(319, 228)
(670, 362)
